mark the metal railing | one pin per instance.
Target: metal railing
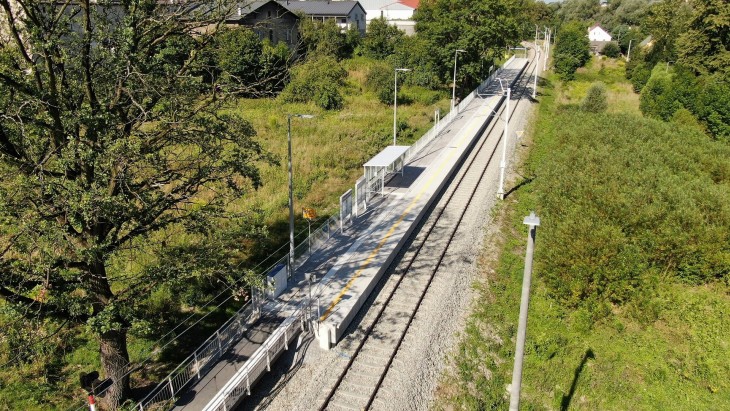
(260, 362)
(195, 365)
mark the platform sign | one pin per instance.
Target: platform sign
(309, 213)
(345, 209)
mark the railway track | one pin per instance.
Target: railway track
(358, 384)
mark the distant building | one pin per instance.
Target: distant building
(603, 3)
(597, 33)
(347, 14)
(398, 13)
(269, 19)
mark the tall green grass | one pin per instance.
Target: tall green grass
(631, 287)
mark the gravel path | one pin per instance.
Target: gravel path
(301, 378)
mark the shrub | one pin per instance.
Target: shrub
(382, 39)
(596, 100)
(640, 76)
(624, 197)
(571, 50)
(380, 81)
(317, 80)
(612, 50)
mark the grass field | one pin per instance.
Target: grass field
(663, 348)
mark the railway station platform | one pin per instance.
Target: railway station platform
(336, 280)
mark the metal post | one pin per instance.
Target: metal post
(453, 92)
(503, 163)
(532, 221)
(628, 54)
(537, 70)
(291, 193)
(291, 203)
(395, 103)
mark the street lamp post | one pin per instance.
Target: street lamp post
(395, 100)
(533, 222)
(537, 69)
(453, 93)
(291, 192)
(503, 163)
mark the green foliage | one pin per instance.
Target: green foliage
(706, 97)
(326, 39)
(571, 50)
(382, 39)
(114, 140)
(380, 80)
(665, 21)
(246, 66)
(484, 28)
(415, 52)
(705, 44)
(317, 80)
(612, 50)
(596, 100)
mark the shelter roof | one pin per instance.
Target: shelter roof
(387, 156)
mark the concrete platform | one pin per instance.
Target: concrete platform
(348, 284)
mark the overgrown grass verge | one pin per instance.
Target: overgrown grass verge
(631, 288)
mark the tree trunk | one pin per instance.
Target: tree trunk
(115, 361)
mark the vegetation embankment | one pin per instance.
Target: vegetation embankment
(631, 283)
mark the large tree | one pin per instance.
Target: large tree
(484, 28)
(107, 135)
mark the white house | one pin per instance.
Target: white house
(396, 12)
(596, 33)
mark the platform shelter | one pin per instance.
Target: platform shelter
(384, 165)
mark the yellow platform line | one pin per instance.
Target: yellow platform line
(395, 225)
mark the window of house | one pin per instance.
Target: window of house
(268, 14)
(343, 20)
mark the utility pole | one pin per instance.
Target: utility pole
(537, 70)
(453, 93)
(503, 163)
(533, 222)
(628, 54)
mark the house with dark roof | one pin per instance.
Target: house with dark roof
(346, 14)
(269, 19)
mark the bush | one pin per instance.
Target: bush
(640, 76)
(624, 197)
(571, 50)
(380, 81)
(317, 80)
(596, 100)
(612, 50)
(382, 39)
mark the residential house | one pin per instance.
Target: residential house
(598, 38)
(269, 19)
(347, 14)
(597, 33)
(396, 12)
